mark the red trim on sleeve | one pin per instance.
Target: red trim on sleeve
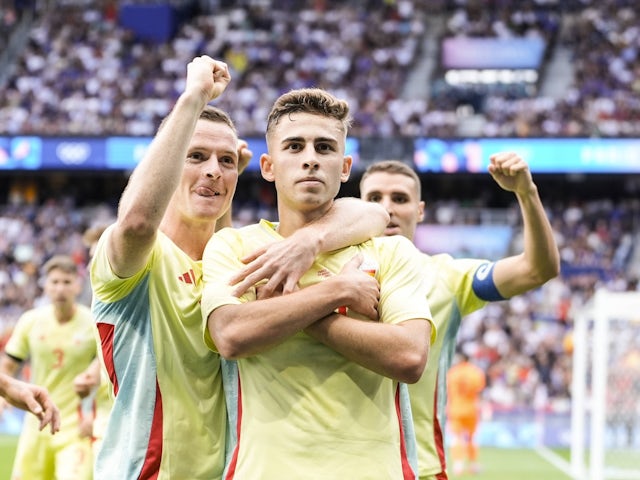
(151, 466)
(106, 330)
(439, 439)
(407, 471)
(231, 471)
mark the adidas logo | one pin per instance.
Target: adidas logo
(188, 277)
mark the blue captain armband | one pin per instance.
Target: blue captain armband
(483, 285)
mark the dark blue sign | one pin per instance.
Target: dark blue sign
(73, 153)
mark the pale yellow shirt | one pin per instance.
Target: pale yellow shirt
(303, 410)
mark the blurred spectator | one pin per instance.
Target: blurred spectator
(78, 68)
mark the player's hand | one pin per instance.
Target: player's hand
(281, 263)
(244, 155)
(208, 76)
(511, 172)
(86, 427)
(34, 399)
(268, 294)
(85, 382)
(3, 406)
(362, 288)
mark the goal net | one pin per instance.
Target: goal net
(605, 414)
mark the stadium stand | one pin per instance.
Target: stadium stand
(79, 66)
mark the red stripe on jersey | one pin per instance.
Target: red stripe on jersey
(151, 466)
(234, 459)
(439, 438)
(441, 476)
(407, 471)
(106, 342)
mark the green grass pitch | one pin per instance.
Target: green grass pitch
(8, 445)
(497, 464)
(514, 464)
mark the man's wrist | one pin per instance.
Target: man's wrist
(311, 239)
(531, 194)
(191, 100)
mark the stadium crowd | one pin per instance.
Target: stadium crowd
(79, 68)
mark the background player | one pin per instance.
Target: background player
(59, 341)
(460, 286)
(465, 383)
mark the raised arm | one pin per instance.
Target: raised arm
(349, 221)
(153, 182)
(540, 260)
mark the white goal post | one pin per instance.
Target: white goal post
(606, 332)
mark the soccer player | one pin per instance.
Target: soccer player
(58, 339)
(92, 384)
(465, 383)
(95, 404)
(32, 398)
(315, 392)
(168, 419)
(460, 286)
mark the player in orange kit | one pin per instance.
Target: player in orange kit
(465, 383)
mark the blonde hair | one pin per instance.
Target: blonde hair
(213, 114)
(63, 263)
(395, 167)
(92, 234)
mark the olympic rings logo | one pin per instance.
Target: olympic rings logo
(73, 153)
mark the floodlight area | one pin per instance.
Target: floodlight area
(490, 76)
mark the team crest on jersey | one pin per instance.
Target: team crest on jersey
(79, 338)
(324, 273)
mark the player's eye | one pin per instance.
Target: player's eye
(324, 148)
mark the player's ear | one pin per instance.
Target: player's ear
(347, 162)
(421, 206)
(266, 167)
